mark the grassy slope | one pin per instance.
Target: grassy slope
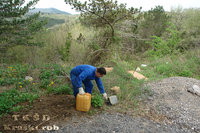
(186, 65)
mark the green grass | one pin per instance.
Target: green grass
(183, 65)
(129, 86)
(17, 108)
(49, 78)
(12, 74)
(10, 98)
(62, 89)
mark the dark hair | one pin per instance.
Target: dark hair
(101, 70)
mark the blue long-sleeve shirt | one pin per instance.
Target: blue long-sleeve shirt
(86, 73)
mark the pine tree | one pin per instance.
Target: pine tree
(154, 23)
(16, 27)
(102, 14)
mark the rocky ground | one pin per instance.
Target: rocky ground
(169, 109)
(180, 111)
(116, 123)
(170, 97)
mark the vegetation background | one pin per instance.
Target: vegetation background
(46, 46)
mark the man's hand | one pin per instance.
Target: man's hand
(81, 91)
(105, 96)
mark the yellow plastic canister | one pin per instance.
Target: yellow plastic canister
(83, 102)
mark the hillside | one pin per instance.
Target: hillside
(48, 10)
(151, 60)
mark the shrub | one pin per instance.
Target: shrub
(97, 100)
(9, 99)
(62, 89)
(13, 74)
(17, 108)
(170, 45)
(64, 51)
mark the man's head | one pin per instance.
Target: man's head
(100, 72)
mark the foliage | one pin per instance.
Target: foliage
(173, 38)
(170, 45)
(97, 100)
(51, 78)
(51, 21)
(62, 89)
(9, 99)
(170, 70)
(187, 68)
(16, 28)
(129, 86)
(183, 64)
(170, 49)
(65, 50)
(13, 74)
(52, 38)
(17, 108)
(187, 23)
(104, 14)
(49, 74)
(154, 23)
(160, 47)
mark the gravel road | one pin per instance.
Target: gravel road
(116, 123)
(170, 98)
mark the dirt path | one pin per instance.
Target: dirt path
(42, 112)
